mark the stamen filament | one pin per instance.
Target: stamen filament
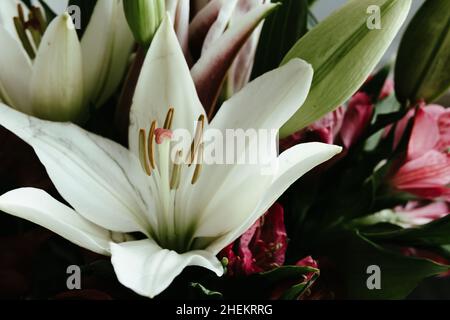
(169, 119)
(176, 170)
(151, 145)
(143, 156)
(198, 167)
(21, 32)
(198, 138)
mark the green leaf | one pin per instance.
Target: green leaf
(286, 272)
(296, 291)
(343, 51)
(293, 276)
(431, 234)
(422, 69)
(201, 292)
(399, 274)
(281, 31)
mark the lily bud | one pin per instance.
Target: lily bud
(57, 78)
(343, 50)
(144, 18)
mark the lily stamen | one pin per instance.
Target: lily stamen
(169, 119)
(198, 167)
(35, 24)
(21, 32)
(143, 155)
(151, 145)
(176, 172)
(197, 139)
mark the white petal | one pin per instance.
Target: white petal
(290, 166)
(15, 70)
(98, 177)
(165, 82)
(294, 163)
(38, 207)
(268, 101)
(8, 10)
(181, 25)
(106, 47)
(219, 26)
(230, 202)
(148, 269)
(57, 79)
(264, 104)
(241, 69)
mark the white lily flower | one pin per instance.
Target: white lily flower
(51, 74)
(114, 191)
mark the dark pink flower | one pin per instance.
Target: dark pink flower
(304, 279)
(415, 214)
(422, 253)
(308, 262)
(324, 130)
(261, 248)
(425, 171)
(357, 119)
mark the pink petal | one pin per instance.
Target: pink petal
(424, 135)
(431, 168)
(357, 119)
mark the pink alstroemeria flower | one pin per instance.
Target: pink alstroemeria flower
(426, 169)
(414, 214)
(324, 130)
(357, 119)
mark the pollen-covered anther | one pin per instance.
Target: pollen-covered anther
(143, 155)
(151, 144)
(35, 25)
(169, 119)
(176, 171)
(197, 138)
(199, 162)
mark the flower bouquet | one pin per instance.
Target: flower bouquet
(222, 149)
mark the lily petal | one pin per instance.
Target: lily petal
(148, 269)
(8, 10)
(201, 23)
(219, 26)
(15, 70)
(209, 72)
(268, 101)
(241, 69)
(95, 175)
(57, 79)
(292, 164)
(164, 67)
(181, 24)
(106, 47)
(38, 207)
